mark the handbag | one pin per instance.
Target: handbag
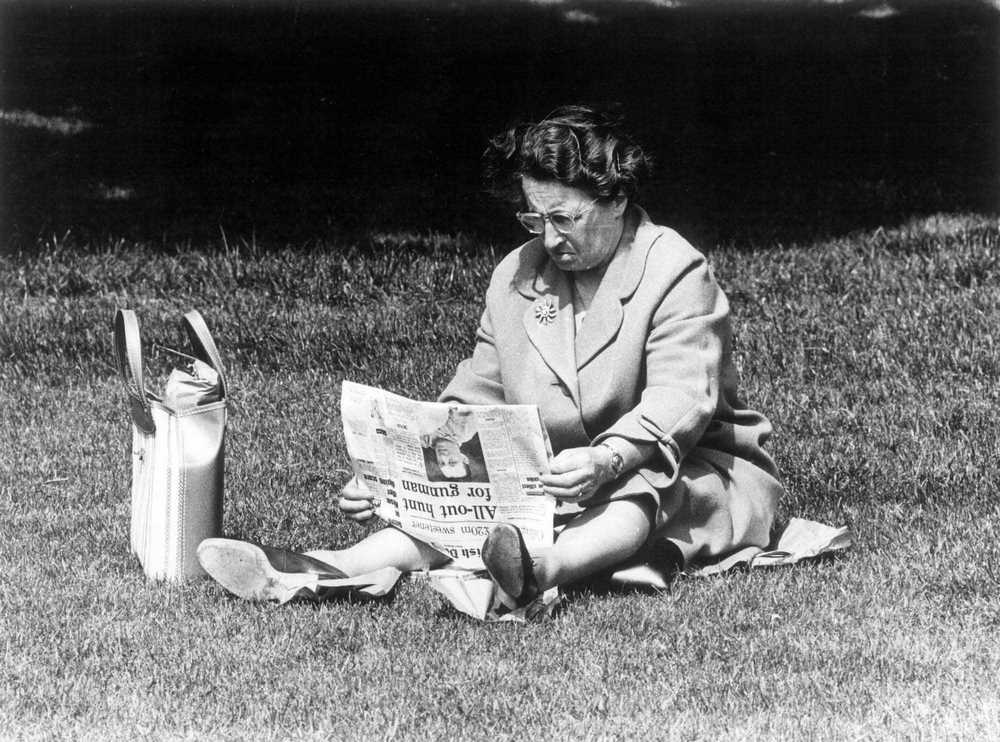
(178, 445)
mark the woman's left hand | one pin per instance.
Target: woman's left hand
(577, 473)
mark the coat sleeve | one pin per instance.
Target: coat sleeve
(477, 379)
(683, 356)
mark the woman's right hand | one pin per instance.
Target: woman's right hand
(356, 501)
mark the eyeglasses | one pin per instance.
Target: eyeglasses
(563, 223)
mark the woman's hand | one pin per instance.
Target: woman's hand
(577, 473)
(356, 501)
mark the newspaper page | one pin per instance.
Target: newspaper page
(444, 473)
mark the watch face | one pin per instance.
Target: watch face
(617, 462)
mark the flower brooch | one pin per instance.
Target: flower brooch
(545, 313)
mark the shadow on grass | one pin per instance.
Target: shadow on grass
(288, 126)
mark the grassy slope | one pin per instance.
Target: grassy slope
(874, 355)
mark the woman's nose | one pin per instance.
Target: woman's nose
(551, 236)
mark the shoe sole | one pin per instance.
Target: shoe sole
(514, 582)
(244, 570)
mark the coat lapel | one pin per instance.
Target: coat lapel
(548, 322)
(604, 318)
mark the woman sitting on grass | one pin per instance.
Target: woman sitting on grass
(617, 330)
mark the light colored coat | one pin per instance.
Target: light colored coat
(652, 363)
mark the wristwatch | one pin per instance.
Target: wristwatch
(617, 462)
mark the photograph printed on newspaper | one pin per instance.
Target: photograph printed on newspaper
(445, 473)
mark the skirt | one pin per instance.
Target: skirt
(718, 504)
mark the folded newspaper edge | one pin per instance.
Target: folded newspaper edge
(475, 594)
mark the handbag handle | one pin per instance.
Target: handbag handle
(204, 346)
(128, 349)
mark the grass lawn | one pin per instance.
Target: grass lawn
(874, 354)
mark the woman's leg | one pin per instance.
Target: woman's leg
(388, 547)
(258, 572)
(598, 538)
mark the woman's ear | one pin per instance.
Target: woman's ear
(619, 204)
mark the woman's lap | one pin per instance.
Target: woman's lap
(716, 506)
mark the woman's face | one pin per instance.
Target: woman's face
(450, 459)
(594, 238)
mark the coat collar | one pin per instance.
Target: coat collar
(549, 321)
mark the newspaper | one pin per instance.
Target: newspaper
(444, 473)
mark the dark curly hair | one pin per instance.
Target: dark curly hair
(580, 146)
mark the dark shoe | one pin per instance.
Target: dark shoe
(509, 564)
(291, 561)
(654, 566)
(665, 558)
(256, 572)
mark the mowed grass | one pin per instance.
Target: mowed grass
(874, 354)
